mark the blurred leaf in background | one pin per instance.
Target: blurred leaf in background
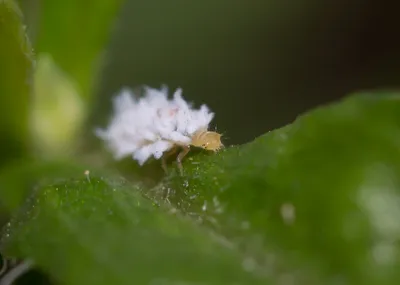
(15, 83)
(75, 33)
(71, 38)
(44, 110)
(58, 109)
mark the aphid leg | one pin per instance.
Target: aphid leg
(181, 155)
(165, 157)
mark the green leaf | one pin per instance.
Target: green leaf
(75, 33)
(19, 176)
(15, 83)
(90, 231)
(322, 196)
(316, 202)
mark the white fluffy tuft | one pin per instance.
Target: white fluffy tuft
(153, 124)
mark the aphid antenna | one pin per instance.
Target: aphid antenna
(225, 137)
(223, 134)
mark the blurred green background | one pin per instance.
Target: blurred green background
(257, 64)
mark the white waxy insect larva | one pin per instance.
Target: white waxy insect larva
(155, 126)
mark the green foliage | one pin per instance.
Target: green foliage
(324, 191)
(75, 33)
(315, 202)
(15, 83)
(18, 178)
(91, 231)
(71, 43)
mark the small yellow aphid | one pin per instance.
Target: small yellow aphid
(203, 138)
(207, 140)
(157, 126)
